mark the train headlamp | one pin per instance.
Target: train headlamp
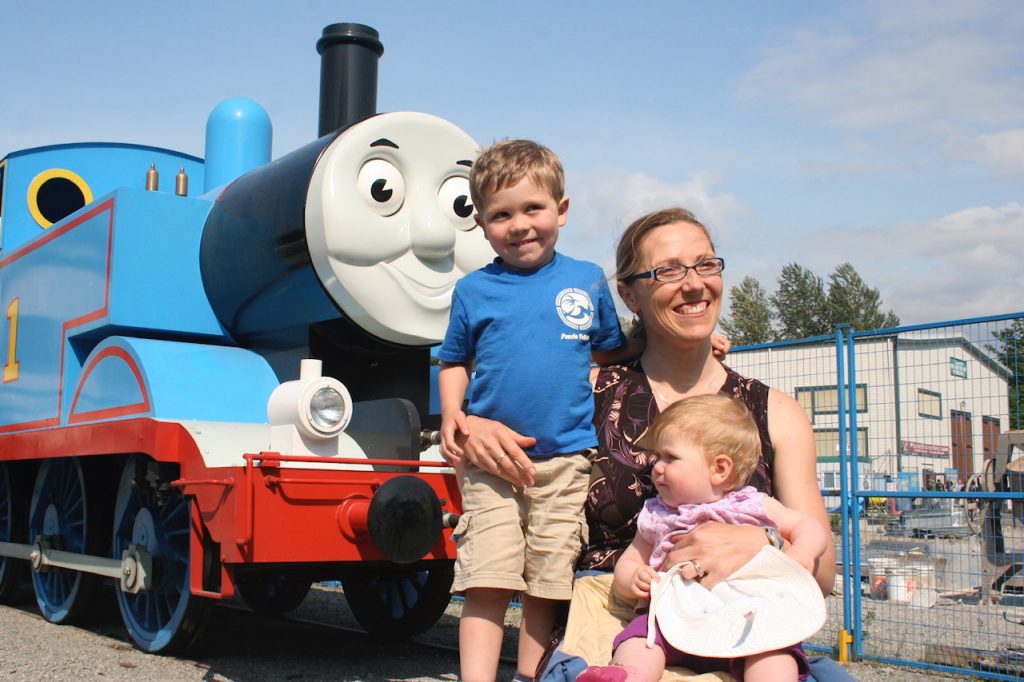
(327, 409)
(318, 407)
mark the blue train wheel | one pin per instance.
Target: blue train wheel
(398, 603)
(275, 594)
(60, 511)
(167, 617)
(11, 570)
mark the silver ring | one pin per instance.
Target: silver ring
(700, 572)
(501, 459)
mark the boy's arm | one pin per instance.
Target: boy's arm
(633, 574)
(720, 345)
(807, 539)
(636, 343)
(633, 347)
(607, 329)
(452, 382)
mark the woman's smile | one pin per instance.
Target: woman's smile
(692, 308)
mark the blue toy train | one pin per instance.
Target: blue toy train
(216, 373)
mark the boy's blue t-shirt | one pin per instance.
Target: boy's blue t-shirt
(531, 334)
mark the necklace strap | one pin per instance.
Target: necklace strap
(696, 390)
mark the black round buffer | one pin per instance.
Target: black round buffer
(404, 519)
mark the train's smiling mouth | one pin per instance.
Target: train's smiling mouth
(430, 285)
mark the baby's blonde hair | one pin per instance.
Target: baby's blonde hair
(505, 163)
(715, 424)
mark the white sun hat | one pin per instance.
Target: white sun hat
(770, 603)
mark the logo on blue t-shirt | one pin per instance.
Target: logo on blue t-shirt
(575, 308)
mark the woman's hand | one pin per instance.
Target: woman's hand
(718, 549)
(496, 448)
(640, 585)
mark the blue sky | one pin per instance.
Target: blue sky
(886, 134)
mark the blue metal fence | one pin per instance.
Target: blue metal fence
(921, 461)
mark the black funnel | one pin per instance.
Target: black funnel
(348, 75)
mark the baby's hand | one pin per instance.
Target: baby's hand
(801, 558)
(641, 583)
(452, 424)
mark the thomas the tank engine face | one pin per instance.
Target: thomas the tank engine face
(390, 223)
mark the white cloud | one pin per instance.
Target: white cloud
(966, 264)
(889, 62)
(603, 201)
(1002, 150)
(929, 70)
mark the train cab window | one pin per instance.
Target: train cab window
(55, 194)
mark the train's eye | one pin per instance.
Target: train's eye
(453, 195)
(381, 186)
(55, 194)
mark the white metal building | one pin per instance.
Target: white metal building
(930, 402)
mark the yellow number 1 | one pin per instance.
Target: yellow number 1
(11, 366)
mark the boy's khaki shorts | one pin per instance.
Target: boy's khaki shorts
(525, 540)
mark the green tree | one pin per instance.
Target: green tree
(851, 301)
(1010, 351)
(750, 316)
(800, 304)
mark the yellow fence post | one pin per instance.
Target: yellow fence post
(845, 640)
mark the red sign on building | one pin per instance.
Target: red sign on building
(913, 447)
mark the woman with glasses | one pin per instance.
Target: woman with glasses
(670, 277)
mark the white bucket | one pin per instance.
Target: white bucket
(904, 583)
(928, 592)
(913, 584)
(878, 577)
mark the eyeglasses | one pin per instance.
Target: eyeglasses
(675, 272)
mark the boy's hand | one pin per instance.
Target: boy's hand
(720, 345)
(640, 586)
(453, 424)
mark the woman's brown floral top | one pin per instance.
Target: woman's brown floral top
(620, 481)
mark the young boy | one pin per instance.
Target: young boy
(532, 321)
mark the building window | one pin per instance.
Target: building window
(929, 404)
(826, 444)
(817, 400)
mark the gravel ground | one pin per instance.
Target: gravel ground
(243, 647)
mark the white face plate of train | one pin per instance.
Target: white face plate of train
(390, 226)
